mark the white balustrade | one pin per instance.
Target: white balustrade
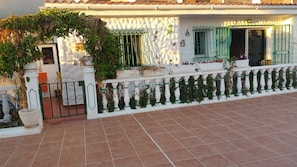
(249, 80)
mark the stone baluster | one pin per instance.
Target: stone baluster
(104, 99)
(284, 78)
(167, 90)
(239, 83)
(247, 81)
(115, 96)
(5, 106)
(222, 85)
(262, 80)
(126, 95)
(177, 89)
(255, 82)
(147, 87)
(276, 84)
(269, 80)
(157, 91)
(137, 85)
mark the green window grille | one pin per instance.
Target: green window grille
(131, 47)
(203, 43)
(223, 42)
(281, 40)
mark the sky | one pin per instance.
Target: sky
(19, 7)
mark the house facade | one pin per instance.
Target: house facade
(181, 32)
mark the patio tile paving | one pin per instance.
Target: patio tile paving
(256, 132)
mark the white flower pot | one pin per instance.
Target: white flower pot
(30, 117)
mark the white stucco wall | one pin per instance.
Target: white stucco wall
(71, 69)
(159, 50)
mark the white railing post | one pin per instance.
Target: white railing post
(137, 90)
(262, 81)
(255, 81)
(157, 91)
(167, 90)
(91, 92)
(126, 95)
(104, 99)
(269, 80)
(247, 81)
(115, 95)
(239, 83)
(284, 78)
(222, 85)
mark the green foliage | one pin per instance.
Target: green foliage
(172, 90)
(132, 102)
(143, 97)
(153, 96)
(184, 92)
(162, 90)
(19, 37)
(192, 89)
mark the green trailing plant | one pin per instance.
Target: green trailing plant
(143, 97)
(153, 96)
(172, 88)
(192, 89)
(229, 80)
(19, 37)
(109, 97)
(209, 87)
(132, 102)
(162, 90)
(184, 92)
(200, 89)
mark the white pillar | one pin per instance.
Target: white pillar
(32, 88)
(91, 92)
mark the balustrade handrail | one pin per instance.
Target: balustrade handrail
(199, 73)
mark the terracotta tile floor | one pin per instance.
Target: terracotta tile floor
(258, 132)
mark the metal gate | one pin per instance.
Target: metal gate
(63, 99)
